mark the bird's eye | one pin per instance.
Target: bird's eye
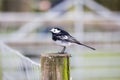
(56, 31)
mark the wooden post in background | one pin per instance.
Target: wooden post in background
(55, 66)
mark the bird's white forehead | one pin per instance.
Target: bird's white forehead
(54, 30)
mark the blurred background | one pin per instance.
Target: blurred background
(24, 26)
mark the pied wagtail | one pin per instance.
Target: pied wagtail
(63, 38)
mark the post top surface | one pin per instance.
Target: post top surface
(56, 55)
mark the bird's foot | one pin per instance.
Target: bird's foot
(61, 52)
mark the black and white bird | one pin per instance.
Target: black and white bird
(64, 39)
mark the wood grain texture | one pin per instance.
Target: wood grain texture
(55, 66)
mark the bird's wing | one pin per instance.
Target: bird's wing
(67, 38)
(72, 40)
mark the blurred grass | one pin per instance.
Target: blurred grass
(102, 54)
(107, 60)
(107, 78)
(96, 66)
(0, 68)
(0, 74)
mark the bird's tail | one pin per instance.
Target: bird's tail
(86, 46)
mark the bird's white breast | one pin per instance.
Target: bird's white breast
(62, 43)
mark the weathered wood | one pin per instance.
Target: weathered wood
(55, 66)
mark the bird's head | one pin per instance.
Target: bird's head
(55, 30)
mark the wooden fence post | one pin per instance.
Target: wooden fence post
(55, 66)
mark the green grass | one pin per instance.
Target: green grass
(0, 68)
(102, 54)
(103, 78)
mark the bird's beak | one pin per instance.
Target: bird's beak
(50, 30)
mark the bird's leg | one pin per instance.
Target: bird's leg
(63, 50)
